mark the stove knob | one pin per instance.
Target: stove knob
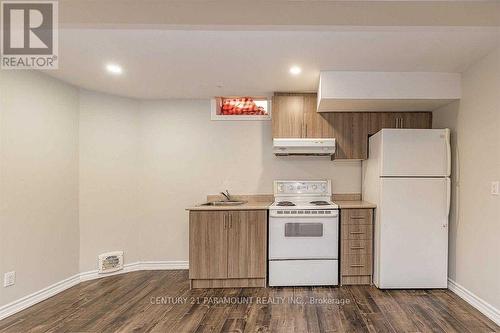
(314, 187)
(280, 188)
(290, 187)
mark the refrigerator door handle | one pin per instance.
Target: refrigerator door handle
(448, 152)
(448, 196)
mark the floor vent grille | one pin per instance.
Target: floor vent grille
(110, 262)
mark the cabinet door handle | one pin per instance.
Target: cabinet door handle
(306, 130)
(399, 122)
(357, 232)
(357, 217)
(357, 247)
(230, 221)
(357, 265)
(224, 221)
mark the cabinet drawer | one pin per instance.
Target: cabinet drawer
(357, 264)
(353, 246)
(356, 216)
(357, 231)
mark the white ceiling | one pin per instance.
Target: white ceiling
(200, 64)
(277, 13)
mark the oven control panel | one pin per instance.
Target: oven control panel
(309, 187)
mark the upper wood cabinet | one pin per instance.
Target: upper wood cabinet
(316, 125)
(295, 116)
(350, 132)
(288, 116)
(359, 143)
(416, 119)
(380, 120)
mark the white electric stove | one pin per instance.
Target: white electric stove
(303, 234)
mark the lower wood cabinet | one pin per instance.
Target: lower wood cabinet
(207, 245)
(356, 251)
(227, 248)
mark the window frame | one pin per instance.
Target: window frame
(255, 117)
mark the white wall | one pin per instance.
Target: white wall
(110, 205)
(475, 215)
(38, 181)
(175, 156)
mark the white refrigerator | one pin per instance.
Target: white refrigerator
(407, 177)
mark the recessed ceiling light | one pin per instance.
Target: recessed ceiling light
(295, 70)
(114, 69)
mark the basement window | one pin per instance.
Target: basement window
(241, 108)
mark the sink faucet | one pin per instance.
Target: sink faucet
(227, 195)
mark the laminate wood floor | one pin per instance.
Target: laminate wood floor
(160, 301)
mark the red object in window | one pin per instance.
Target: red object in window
(241, 106)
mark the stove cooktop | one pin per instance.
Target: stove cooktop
(320, 203)
(305, 204)
(285, 203)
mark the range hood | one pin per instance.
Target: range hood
(306, 147)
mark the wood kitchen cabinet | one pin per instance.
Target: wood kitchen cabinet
(350, 130)
(380, 120)
(316, 125)
(288, 116)
(416, 120)
(227, 248)
(207, 245)
(341, 130)
(295, 116)
(247, 234)
(356, 246)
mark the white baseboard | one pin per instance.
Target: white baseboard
(36, 297)
(41, 295)
(480, 304)
(163, 265)
(138, 266)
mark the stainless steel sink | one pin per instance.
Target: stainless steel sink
(224, 203)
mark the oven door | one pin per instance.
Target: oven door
(304, 237)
